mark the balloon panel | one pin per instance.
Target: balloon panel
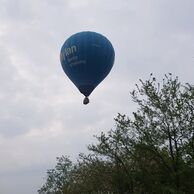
(87, 58)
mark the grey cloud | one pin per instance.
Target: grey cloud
(41, 113)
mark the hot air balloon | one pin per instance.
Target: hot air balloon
(87, 58)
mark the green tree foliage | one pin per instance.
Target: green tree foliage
(153, 152)
(58, 179)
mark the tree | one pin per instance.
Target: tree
(163, 131)
(155, 148)
(58, 179)
(92, 175)
(152, 152)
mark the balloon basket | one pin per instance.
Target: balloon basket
(86, 100)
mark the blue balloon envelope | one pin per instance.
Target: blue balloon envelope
(87, 58)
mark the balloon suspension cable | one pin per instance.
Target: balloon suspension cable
(86, 100)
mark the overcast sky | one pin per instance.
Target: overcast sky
(41, 111)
